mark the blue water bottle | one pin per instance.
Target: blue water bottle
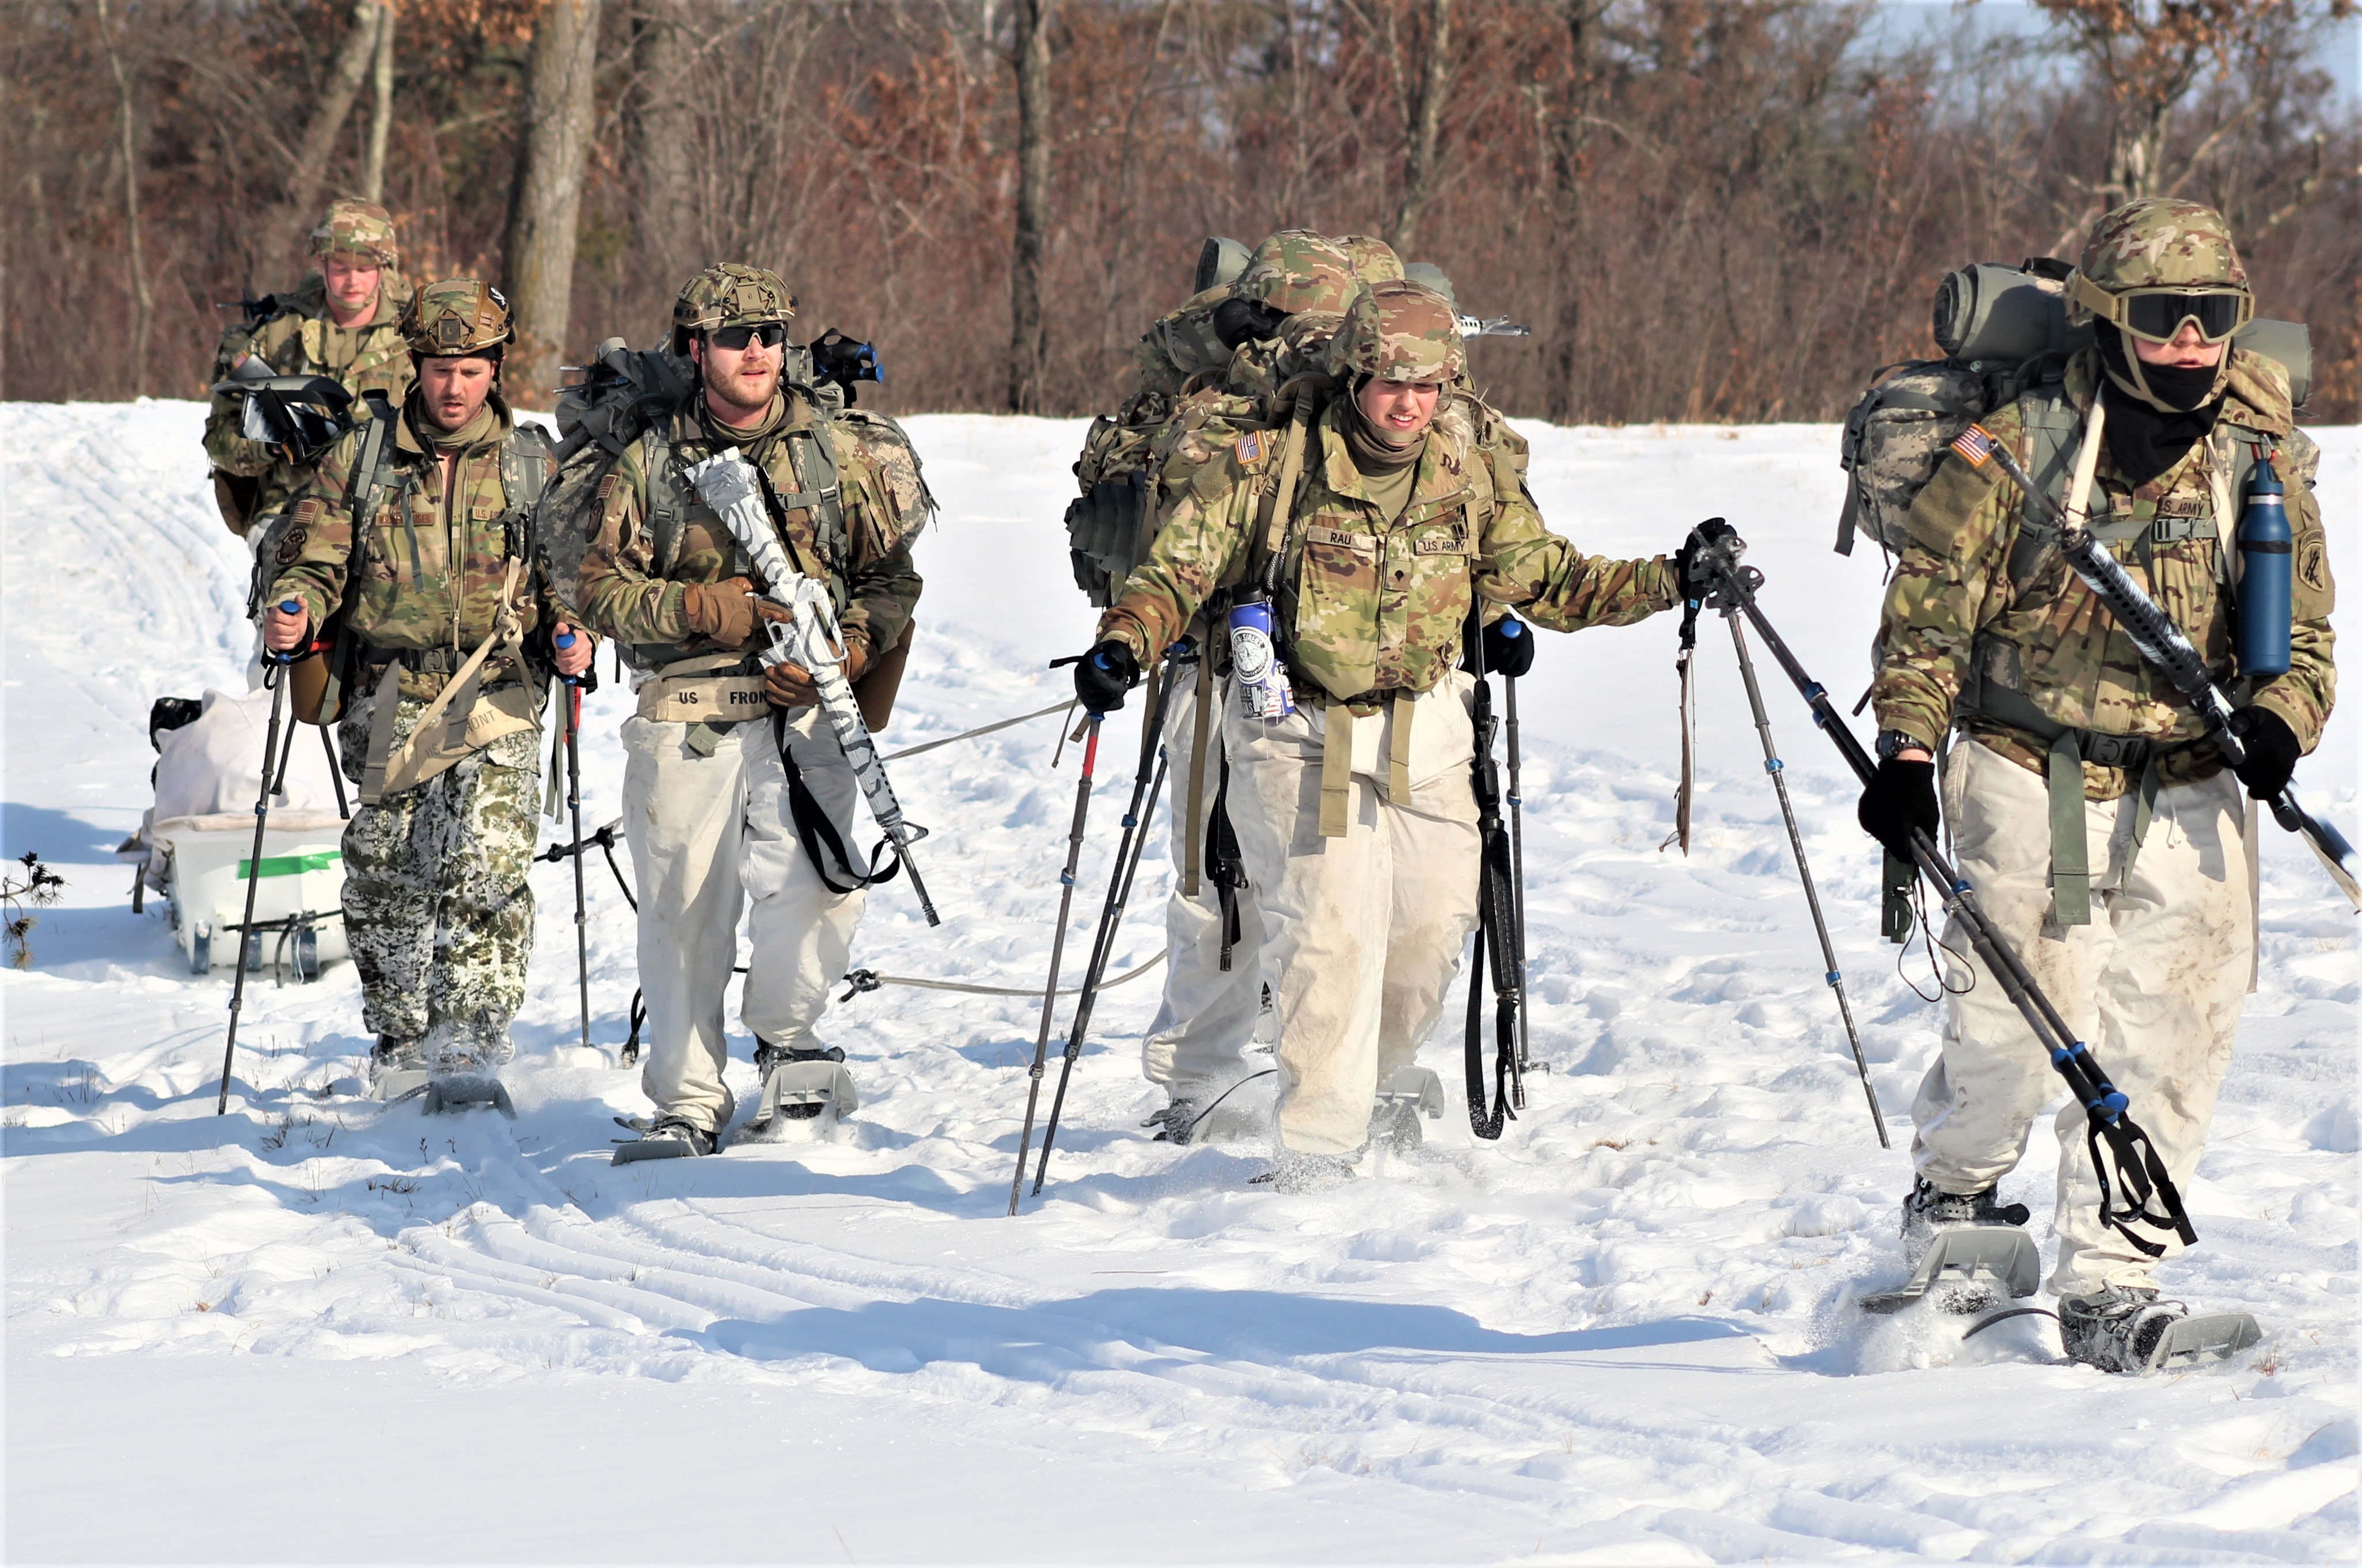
(2265, 607)
(1255, 669)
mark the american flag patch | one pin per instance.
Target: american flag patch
(1250, 447)
(1975, 443)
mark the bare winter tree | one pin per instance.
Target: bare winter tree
(664, 140)
(543, 223)
(380, 104)
(1029, 343)
(307, 176)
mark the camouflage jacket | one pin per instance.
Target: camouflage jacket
(1370, 608)
(634, 568)
(1971, 607)
(298, 339)
(437, 547)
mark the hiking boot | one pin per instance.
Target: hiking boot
(1177, 1122)
(1393, 1124)
(396, 1054)
(1927, 1211)
(669, 1138)
(767, 1055)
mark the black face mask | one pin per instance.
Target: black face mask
(2143, 439)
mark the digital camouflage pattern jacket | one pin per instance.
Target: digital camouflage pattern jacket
(1371, 610)
(652, 539)
(298, 339)
(437, 551)
(1971, 608)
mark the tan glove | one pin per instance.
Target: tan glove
(792, 685)
(721, 611)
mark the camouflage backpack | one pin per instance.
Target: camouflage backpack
(2006, 332)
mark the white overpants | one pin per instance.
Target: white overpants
(708, 833)
(1363, 932)
(2152, 985)
(1198, 1044)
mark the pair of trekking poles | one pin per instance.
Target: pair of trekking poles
(275, 754)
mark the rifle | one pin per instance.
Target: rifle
(257, 311)
(2168, 650)
(2141, 1191)
(809, 637)
(302, 415)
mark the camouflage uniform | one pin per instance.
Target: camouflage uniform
(709, 802)
(1988, 630)
(1205, 1024)
(297, 336)
(436, 907)
(1355, 815)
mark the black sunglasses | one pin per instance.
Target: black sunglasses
(770, 335)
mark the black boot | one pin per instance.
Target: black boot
(1927, 1211)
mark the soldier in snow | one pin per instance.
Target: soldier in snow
(416, 538)
(1355, 812)
(734, 787)
(339, 322)
(2090, 811)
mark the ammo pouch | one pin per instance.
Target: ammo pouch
(1108, 535)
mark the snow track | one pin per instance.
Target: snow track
(1624, 1333)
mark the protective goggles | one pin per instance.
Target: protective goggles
(769, 334)
(2157, 314)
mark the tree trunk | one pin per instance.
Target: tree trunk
(380, 104)
(663, 220)
(143, 299)
(1568, 130)
(309, 177)
(1426, 124)
(1029, 338)
(539, 255)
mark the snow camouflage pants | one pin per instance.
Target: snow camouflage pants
(438, 912)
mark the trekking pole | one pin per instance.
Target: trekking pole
(574, 805)
(274, 676)
(1517, 873)
(2139, 1189)
(1057, 951)
(1496, 919)
(1145, 790)
(1778, 770)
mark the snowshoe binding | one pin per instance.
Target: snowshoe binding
(1402, 1100)
(397, 1068)
(1928, 1213)
(449, 1093)
(666, 1138)
(1177, 1122)
(1969, 1269)
(2128, 1329)
(805, 1093)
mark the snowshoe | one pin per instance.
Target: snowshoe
(805, 1093)
(1928, 1213)
(449, 1093)
(1177, 1122)
(1970, 1270)
(667, 1138)
(1294, 1173)
(397, 1069)
(2127, 1329)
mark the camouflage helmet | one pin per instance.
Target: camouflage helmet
(1398, 331)
(356, 228)
(729, 294)
(1297, 269)
(1371, 258)
(2162, 242)
(455, 318)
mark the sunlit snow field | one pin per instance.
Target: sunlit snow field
(319, 1328)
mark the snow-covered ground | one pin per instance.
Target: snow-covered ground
(319, 1328)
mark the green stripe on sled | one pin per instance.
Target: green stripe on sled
(291, 865)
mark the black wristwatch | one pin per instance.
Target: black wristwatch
(1891, 742)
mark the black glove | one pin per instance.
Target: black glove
(1103, 675)
(1693, 582)
(1900, 797)
(2272, 752)
(1508, 648)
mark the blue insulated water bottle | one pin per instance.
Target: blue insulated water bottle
(1256, 670)
(2265, 588)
